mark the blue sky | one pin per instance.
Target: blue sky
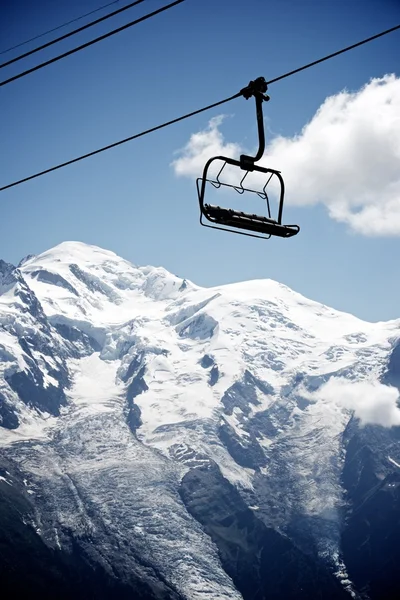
(130, 199)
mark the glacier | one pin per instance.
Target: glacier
(178, 440)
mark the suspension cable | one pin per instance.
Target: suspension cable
(191, 114)
(91, 42)
(69, 34)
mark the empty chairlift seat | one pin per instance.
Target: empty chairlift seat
(236, 221)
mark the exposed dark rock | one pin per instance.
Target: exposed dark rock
(134, 417)
(30, 385)
(207, 361)
(81, 341)
(42, 352)
(264, 423)
(214, 375)
(263, 564)
(134, 366)
(370, 538)
(30, 303)
(137, 386)
(7, 277)
(243, 393)
(34, 394)
(53, 279)
(25, 259)
(392, 375)
(199, 327)
(8, 415)
(246, 450)
(93, 283)
(191, 312)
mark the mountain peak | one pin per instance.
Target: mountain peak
(83, 282)
(74, 252)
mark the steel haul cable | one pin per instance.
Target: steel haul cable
(196, 112)
(36, 37)
(328, 56)
(91, 42)
(129, 139)
(71, 33)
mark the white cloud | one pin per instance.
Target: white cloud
(372, 402)
(347, 157)
(201, 146)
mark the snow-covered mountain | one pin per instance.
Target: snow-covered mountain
(170, 441)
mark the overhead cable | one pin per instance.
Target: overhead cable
(69, 34)
(128, 139)
(328, 56)
(36, 37)
(191, 114)
(91, 42)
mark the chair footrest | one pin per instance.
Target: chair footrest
(241, 220)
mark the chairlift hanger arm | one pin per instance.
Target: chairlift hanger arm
(256, 88)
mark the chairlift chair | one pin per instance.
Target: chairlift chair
(227, 219)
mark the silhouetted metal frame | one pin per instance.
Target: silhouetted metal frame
(256, 89)
(201, 188)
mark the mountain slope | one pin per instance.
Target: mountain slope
(179, 440)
